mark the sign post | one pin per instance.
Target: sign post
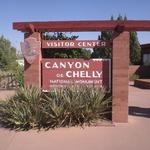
(120, 55)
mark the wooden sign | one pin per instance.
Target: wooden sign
(65, 72)
(75, 43)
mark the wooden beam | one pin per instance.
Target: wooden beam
(83, 26)
(31, 27)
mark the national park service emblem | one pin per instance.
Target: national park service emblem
(30, 49)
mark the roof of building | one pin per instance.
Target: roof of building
(145, 45)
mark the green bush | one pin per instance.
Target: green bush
(70, 106)
(134, 77)
(18, 71)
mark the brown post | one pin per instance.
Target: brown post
(120, 65)
(32, 72)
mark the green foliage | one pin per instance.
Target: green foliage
(69, 106)
(21, 110)
(120, 17)
(134, 77)
(18, 71)
(7, 55)
(135, 49)
(59, 36)
(64, 53)
(103, 52)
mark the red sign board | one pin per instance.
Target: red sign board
(74, 43)
(64, 72)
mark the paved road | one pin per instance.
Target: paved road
(134, 135)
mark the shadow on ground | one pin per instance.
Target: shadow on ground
(139, 111)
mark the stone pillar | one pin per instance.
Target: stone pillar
(32, 72)
(120, 65)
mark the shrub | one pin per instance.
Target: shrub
(69, 106)
(20, 110)
(19, 75)
(133, 77)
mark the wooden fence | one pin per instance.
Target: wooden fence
(8, 82)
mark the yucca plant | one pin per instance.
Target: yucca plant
(21, 111)
(68, 106)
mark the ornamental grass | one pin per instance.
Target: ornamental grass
(61, 107)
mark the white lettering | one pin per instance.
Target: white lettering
(70, 65)
(62, 65)
(84, 74)
(47, 65)
(86, 65)
(69, 44)
(68, 74)
(55, 65)
(103, 43)
(78, 65)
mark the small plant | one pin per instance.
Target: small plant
(20, 111)
(134, 77)
(69, 106)
(19, 75)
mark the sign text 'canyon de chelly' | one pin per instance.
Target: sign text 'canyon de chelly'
(62, 72)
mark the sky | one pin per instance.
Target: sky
(60, 10)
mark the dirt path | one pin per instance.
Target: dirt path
(4, 94)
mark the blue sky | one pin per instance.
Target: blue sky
(50, 10)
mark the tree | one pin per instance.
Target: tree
(102, 52)
(7, 55)
(135, 49)
(64, 52)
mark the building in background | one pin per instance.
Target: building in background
(145, 54)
